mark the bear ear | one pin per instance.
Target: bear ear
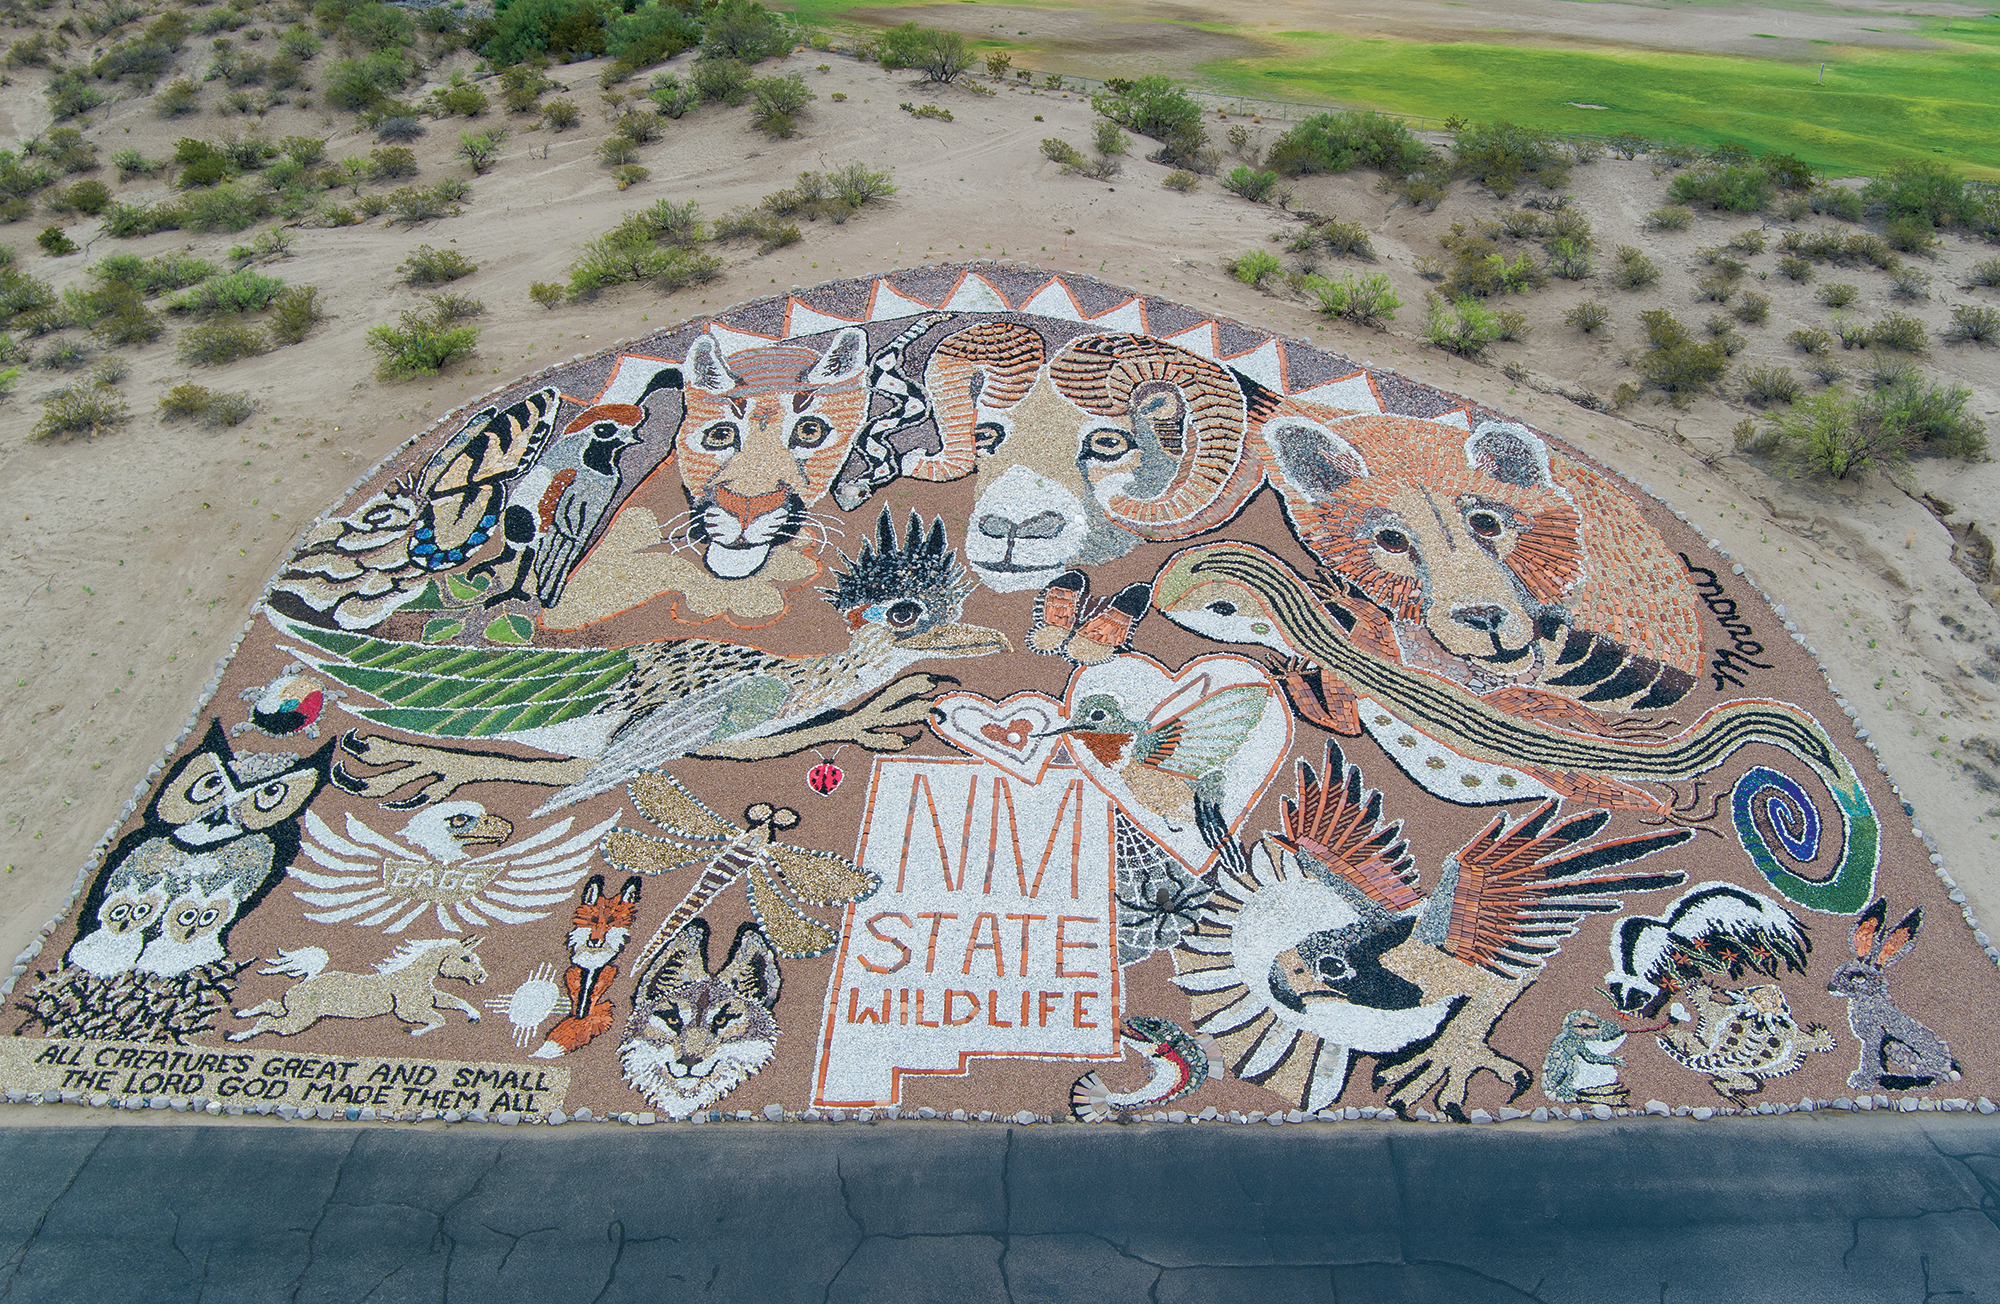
(844, 358)
(1510, 454)
(1312, 459)
(705, 369)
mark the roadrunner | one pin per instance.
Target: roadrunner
(614, 713)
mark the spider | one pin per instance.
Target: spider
(1158, 899)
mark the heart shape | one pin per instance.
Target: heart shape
(1209, 700)
(1018, 734)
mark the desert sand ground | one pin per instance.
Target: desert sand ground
(137, 555)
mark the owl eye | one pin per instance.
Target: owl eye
(811, 432)
(207, 788)
(140, 911)
(271, 795)
(187, 917)
(1393, 541)
(720, 437)
(904, 614)
(118, 912)
(1486, 525)
(208, 916)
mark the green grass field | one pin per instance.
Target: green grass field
(1876, 105)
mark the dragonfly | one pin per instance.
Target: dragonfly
(777, 874)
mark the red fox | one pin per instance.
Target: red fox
(598, 932)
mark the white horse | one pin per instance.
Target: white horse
(401, 985)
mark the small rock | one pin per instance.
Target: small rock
(1540, 1114)
(1479, 1116)
(508, 1118)
(1207, 1115)
(352, 1113)
(367, 1114)
(1024, 1118)
(1276, 1120)
(1600, 1112)
(958, 1116)
(1254, 1116)
(99, 1100)
(986, 1116)
(1659, 1107)
(557, 1118)
(864, 1116)
(926, 1112)
(647, 1118)
(478, 1115)
(1506, 1115)
(774, 1113)
(1985, 1106)
(582, 1115)
(1295, 1116)
(288, 1111)
(1180, 1116)
(1703, 1114)
(453, 1116)
(1842, 1102)
(1864, 1102)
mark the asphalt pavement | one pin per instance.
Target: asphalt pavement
(1794, 1208)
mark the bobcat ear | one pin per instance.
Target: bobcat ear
(1312, 458)
(844, 358)
(685, 960)
(1897, 943)
(752, 967)
(705, 369)
(1510, 454)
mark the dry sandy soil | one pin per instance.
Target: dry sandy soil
(136, 556)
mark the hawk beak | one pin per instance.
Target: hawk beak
(956, 640)
(487, 831)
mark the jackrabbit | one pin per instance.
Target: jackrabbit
(1897, 1052)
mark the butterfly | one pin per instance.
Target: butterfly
(1070, 625)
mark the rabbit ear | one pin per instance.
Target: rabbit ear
(1897, 944)
(1868, 930)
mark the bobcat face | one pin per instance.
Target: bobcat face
(694, 1037)
(764, 435)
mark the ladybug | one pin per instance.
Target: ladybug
(824, 778)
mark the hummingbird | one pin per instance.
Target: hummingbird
(1172, 761)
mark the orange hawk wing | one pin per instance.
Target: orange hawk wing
(1521, 890)
(1339, 825)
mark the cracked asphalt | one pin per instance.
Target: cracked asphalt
(1792, 1208)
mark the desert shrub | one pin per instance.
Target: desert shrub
(1366, 299)
(217, 343)
(1924, 190)
(240, 291)
(1669, 219)
(229, 206)
(778, 102)
(1250, 183)
(1839, 295)
(1750, 241)
(769, 230)
(1723, 332)
(458, 102)
(616, 151)
(1851, 332)
(391, 163)
(1910, 235)
(449, 309)
(1254, 267)
(651, 34)
(1335, 142)
(1825, 435)
(656, 245)
(1929, 418)
(1910, 283)
(1510, 324)
(720, 81)
(1464, 326)
(400, 128)
(560, 115)
(564, 30)
(1811, 340)
(939, 55)
(1764, 386)
(1634, 270)
(294, 313)
(55, 242)
(481, 150)
(1753, 309)
(413, 204)
(64, 355)
(185, 400)
(300, 44)
(1900, 332)
(1740, 188)
(70, 94)
(932, 111)
(180, 98)
(1108, 139)
(1181, 180)
(1348, 239)
(743, 31)
(857, 185)
(1501, 155)
(1588, 316)
(1569, 258)
(1675, 362)
(1795, 268)
(550, 294)
(643, 127)
(81, 410)
(629, 175)
(429, 266)
(357, 84)
(1829, 246)
(422, 342)
(1973, 324)
(125, 318)
(1154, 107)
(1057, 150)
(131, 163)
(1714, 289)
